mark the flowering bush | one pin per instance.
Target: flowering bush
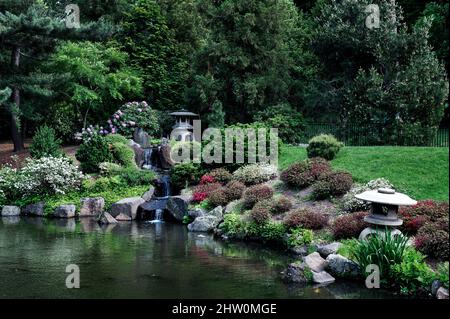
(257, 193)
(349, 226)
(255, 173)
(199, 197)
(349, 203)
(234, 190)
(207, 188)
(221, 175)
(48, 175)
(305, 218)
(9, 179)
(207, 179)
(332, 184)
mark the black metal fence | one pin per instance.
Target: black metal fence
(357, 135)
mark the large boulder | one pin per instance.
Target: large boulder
(92, 206)
(106, 218)
(322, 278)
(10, 211)
(148, 195)
(205, 223)
(442, 293)
(139, 154)
(297, 272)
(65, 211)
(123, 218)
(325, 250)
(197, 212)
(217, 212)
(177, 206)
(301, 250)
(165, 157)
(342, 267)
(315, 262)
(127, 206)
(36, 209)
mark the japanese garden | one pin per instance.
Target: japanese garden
(224, 149)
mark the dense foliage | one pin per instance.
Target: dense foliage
(45, 143)
(325, 146)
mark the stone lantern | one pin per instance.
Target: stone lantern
(385, 203)
(183, 128)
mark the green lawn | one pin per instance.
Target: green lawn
(421, 172)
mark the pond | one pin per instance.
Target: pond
(144, 260)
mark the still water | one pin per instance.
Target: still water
(143, 260)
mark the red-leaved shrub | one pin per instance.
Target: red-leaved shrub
(257, 193)
(281, 205)
(433, 239)
(298, 175)
(218, 198)
(207, 179)
(306, 218)
(260, 213)
(199, 197)
(319, 167)
(414, 217)
(221, 175)
(332, 184)
(349, 226)
(207, 188)
(234, 190)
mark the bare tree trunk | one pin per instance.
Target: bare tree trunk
(15, 131)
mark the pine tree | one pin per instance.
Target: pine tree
(29, 31)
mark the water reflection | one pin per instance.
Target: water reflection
(142, 260)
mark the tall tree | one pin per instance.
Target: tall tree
(244, 64)
(381, 75)
(29, 30)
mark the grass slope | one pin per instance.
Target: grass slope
(421, 172)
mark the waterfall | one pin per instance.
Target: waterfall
(148, 152)
(158, 214)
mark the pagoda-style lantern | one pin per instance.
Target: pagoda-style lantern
(384, 208)
(183, 127)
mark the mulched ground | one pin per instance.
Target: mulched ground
(15, 159)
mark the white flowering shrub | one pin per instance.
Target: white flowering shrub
(255, 173)
(8, 183)
(349, 203)
(48, 175)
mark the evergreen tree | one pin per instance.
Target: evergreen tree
(245, 61)
(29, 30)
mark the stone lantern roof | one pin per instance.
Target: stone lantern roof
(386, 196)
(183, 113)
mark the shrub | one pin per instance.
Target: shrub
(218, 197)
(234, 190)
(109, 169)
(199, 197)
(116, 138)
(133, 176)
(412, 274)
(185, 174)
(443, 273)
(256, 193)
(45, 143)
(385, 251)
(318, 167)
(306, 218)
(255, 173)
(207, 188)
(325, 146)
(123, 154)
(47, 176)
(207, 179)
(349, 226)
(298, 175)
(233, 226)
(271, 231)
(9, 178)
(299, 236)
(92, 152)
(414, 217)
(332, 184)
(282, 204)
(260, 213)
(221, 175)
(433, 240)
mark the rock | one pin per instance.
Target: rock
(65, 211)
(148, 195)
(196, 212)
(91, 206)
(123, 218)
(435, 285)
(34, 209)
(139, 156)
(231, 206)
(10, 211)
(127, 206)
(325, 250)
(142, 138)
(300, 250)
(204, 224)
(296, 272)
(216, 212)
(315, 262)
(442, 293)
(166, 159)
(340, 266)
(322, 277)
(177, 207)
(106, 218)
